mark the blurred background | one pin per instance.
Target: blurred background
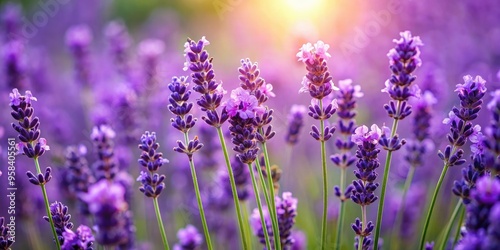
(90, 77)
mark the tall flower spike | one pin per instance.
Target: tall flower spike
(184, 121)
(105, 167)
(404, 59)
(107, 205)
(286, 207)
(61, 218)
(318, 82)
(119, 43)
(199, 62)
(460, 120)
(151, 182)
(363, 189)
(78, 40)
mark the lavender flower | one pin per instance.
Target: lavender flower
(119, 42)
(81, 240)
(404, 59)
(492, 155)
(61, 218)
(242, 108)
(295, 123)
(78, 40)
(470, 94)
(363, 191)
(5, 236)
(346, 105)
(11, 15)
(107, 205)
(150, 51)
(105, 167)
(189, 239)
(78, 175)
(15, 65)
(199, 62)
(482, 216)
(152, 182)
(286, 208)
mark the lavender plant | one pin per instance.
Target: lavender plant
(198, 61)
(242, 109)
(404, 59)
(32, 145)
(347, 124)
(252, 82)
(151, 182)
(318, 83)
(460, 120)
(184, 121)
(363, 189)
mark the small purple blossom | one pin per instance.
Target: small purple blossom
(308, 52)
(362, 134)
(6, 238)
(472, 84)
(83, 239)
(244, 104)
(189, 238)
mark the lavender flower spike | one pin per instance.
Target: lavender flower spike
(81, 240)
(32, 145)
(493, 144)
(189, 239)
(295, 123)
(460, 120)
(78, 39)
(151, 160)
(318, 83)
(107, 205)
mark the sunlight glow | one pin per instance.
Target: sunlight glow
(303, 5)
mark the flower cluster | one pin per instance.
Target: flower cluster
(470, 174)
(421, 144)
(461, 127)
(82, 239)
(78, 40)
(346, 124)
(189, 239)
(404, 59)
(492, 155)
(61, 218)
(363, 189)
(199, 62)
(119, 42)
(295, 123)
(105, 167)
(78, 175)
(107, 205)
(286, 209)
(483, 213)
(151, 182)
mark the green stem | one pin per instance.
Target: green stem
(198, 197)
(431, 206)
(399, 217)
(340, 223)
(160, 223)
(47, 205)
(363, 226)
(270, 185)
(246, 219)
(259, 205)
(244, 242)
(387, 168)
(340, 220)
(325, 181)
(459, 227)
(449, 225)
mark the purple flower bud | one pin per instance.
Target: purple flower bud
(362, 134)
(5, 235)
(189, 238)
(83, 239)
